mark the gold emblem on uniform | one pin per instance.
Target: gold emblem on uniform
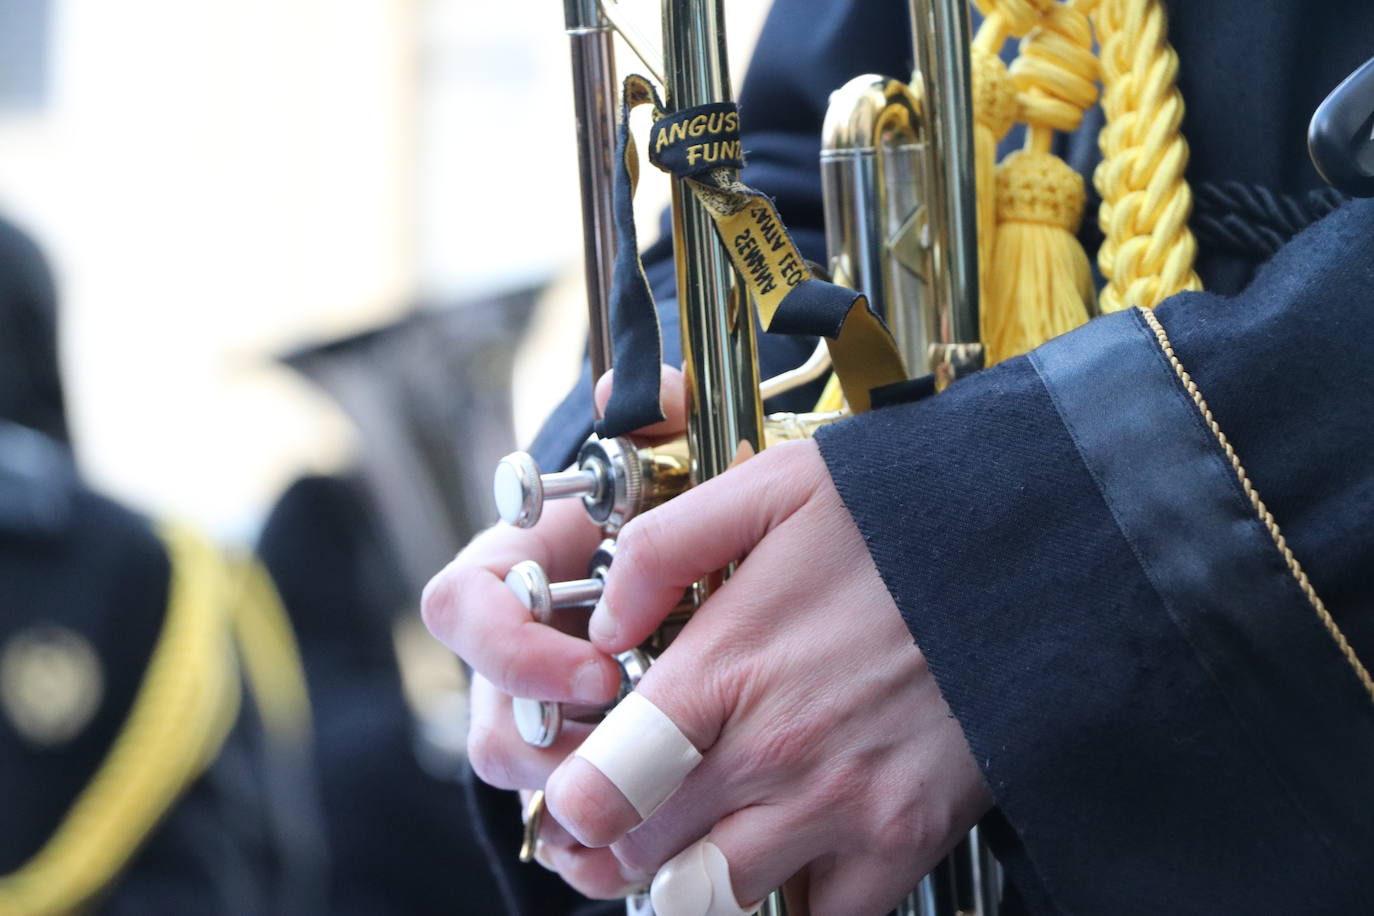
(50, 683)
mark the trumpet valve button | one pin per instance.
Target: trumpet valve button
(519, 490)
(538, 721)
(529, 583)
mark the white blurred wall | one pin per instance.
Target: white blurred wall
(220, 180)
(215, 181)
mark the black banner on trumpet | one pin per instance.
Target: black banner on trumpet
(701, 146)
(697, 140)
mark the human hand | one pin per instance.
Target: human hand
(827, 746)
(468, 607)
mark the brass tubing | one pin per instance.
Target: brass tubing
(940, 39)
(724, 412)
(872, 168)
(720, 365)
(595, 92)
(853, 227)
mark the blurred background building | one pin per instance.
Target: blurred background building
(221, 181)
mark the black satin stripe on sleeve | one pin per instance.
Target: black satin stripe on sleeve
(1176, 499)
(1291, 381)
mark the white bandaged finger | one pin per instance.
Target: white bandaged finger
(696, 882)
(639, 749)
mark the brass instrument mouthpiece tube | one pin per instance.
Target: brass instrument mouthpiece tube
(591, 42)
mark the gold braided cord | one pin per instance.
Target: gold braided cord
(1010, 17)
(1148, 252)
(1265, 516)
(1055, 72)
(994, 112)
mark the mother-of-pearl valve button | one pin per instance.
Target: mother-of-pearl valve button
(696, 882)
(614, 479)
(520, 489)
(528, 581)
(538, 721)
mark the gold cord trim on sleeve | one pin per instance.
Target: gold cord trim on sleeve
(1265, 516)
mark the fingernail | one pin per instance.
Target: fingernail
(633, 875)
(589, 684)
(603, 627)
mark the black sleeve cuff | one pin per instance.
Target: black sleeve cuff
(1163, 720)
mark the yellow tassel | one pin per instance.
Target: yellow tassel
(1040, 284)
(994, 109)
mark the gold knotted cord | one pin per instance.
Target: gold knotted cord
(1039, 282)
(1035, 281)
(1148, 252)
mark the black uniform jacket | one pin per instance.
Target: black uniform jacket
(1166, 722)
(124, 718)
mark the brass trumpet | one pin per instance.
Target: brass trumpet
(898, 188)
(616, 479)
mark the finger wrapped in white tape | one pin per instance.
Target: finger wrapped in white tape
(639, 749)
(696, 882)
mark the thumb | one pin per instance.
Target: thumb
(672, 394)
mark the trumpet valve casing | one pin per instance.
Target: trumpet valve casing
(615, 479)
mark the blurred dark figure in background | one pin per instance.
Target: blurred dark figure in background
(349, 555)
(30, 384)
(393, 824)
(154, 726)
(160, 748)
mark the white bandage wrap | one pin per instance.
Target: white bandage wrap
(641, 752)
(696, 882)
